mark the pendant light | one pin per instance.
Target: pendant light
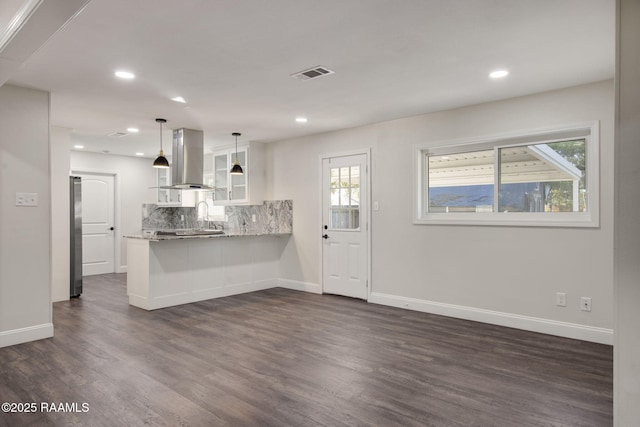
(161, 161)
(236, 169)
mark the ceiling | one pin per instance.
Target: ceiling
(231, 60)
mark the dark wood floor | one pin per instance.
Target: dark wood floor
(287, 358)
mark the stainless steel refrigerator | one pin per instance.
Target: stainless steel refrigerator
(75, 198)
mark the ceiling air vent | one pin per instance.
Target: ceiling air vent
(118, 134)
(312, 73)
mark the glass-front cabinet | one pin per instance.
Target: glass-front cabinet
(237, 189)
(221, 179)
(171, 197)
(166, 196)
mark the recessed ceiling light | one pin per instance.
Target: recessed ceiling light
(125, 74)
(139, 154)
(178, 99)
(301, 119)
(499, 74)
(79, 147)
(133, 130)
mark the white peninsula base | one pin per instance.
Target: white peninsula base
(171, 272)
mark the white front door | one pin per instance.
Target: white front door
(98, 237)
(345, 218)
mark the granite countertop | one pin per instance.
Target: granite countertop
(197, 236)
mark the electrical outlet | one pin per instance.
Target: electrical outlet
(585, 304)
(561, 299)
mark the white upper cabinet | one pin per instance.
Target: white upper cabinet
(165, 196)
(172, 197)
(246, 189)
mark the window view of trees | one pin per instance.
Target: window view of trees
(559, 197)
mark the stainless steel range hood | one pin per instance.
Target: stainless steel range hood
(187, 162)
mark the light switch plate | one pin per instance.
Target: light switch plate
(26, 199)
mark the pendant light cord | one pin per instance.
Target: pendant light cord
(161, 121)
(236, 134)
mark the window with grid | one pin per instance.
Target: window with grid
(547, 178)
(345, 198)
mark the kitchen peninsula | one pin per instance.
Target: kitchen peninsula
(168, 270)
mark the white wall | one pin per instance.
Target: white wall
(25, 249)
(503, 275)
(134, 179)
(627, 237)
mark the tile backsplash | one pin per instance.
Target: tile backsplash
(157, 217)
(274, 216)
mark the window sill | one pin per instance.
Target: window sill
(514, 219)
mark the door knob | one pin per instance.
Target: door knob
(325, 236)
(111, 228)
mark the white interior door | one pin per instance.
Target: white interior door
(345, 219)
(98, 236)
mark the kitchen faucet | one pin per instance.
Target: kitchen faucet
(205, 218)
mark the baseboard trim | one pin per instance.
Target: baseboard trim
(298, 285)
(22, 335)
(534, 324)
(225, 291)
(201, 295)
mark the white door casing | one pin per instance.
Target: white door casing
(345, 225)
(98, 236)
